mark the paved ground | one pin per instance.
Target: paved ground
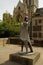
(9, 49)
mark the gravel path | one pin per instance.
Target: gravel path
(9, 49)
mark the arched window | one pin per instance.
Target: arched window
(19, 8)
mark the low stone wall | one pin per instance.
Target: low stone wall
(38, 43)
(10, 40)
(4, 41)
(15, 41)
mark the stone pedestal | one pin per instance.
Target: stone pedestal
(26, 59)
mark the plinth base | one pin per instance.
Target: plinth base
(27, 59)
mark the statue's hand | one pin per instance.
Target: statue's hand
(25, 23)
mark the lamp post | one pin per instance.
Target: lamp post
(31, 13)
(30, 23)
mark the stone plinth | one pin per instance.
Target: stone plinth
(27, 59)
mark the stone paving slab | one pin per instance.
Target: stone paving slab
(11, 49)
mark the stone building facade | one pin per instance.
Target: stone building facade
(27, 5)
(37, 26)
(19, 11)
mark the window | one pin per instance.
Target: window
(39, 28)
(34, 34)
(19, 8)
(35, 22)
(40, 21)
(39, 34)
(36, 28)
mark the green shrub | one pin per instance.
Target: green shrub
(9, 30)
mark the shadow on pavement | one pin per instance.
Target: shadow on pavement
(9, 63)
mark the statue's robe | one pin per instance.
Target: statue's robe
(24, 34)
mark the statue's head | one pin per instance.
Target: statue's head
(26, 18)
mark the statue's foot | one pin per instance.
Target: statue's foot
(22, 53)
(31, 51)
(26, 52)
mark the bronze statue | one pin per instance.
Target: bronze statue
(24, 35)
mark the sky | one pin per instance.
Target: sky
(8, 5)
